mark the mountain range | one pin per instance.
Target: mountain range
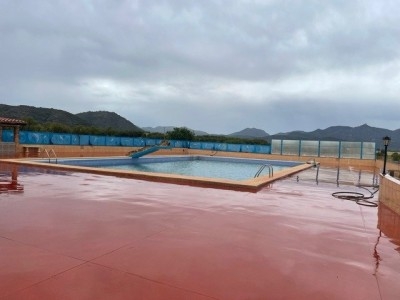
(363, 133)
(99, 119)
(105, 119)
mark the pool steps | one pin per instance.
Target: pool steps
(270, 170)
(49, 153)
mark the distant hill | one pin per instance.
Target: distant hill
(363, 133)
(105, 119)
(164, 129)
(41, 115)
(99, 119)
(250, 133)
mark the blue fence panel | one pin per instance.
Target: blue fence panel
(186, 144)
(7, 136)
(126, 141)
(74, 139)
(176, 144)
(195, 145)
(233, 147)
(207, 146)
(150, 142)
(139, 142)
(264, 149)
(96, 140)
(32, 137)
(84, 140)
(24, 137)
(248, 148)
(221, 146)
(113, 141)
(60, 139)
(46, 138)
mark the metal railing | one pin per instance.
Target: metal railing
(49, 153)
(270, 170)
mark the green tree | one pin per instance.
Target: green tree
(395, 156)
(181, 133)
(32, 124)
(110, 131)
(153, 135)
(230, 140)
(57, 127)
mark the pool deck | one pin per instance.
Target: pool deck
(71, 235)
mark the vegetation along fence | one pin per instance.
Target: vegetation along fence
(337, 149)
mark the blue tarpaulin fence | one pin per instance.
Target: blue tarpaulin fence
(360, 150)
(49, 138)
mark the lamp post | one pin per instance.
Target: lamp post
(386, 141)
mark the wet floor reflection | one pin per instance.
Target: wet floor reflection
(389, 224)
(340, 176)
(9, 179)
(376, 255)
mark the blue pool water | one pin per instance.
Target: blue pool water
(199, 166)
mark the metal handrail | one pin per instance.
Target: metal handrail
(48, 153)
(270, 170)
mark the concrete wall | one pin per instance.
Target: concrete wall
(389, 222)
(389, 193)
(7, 149)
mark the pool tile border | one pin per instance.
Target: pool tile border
(250, 185)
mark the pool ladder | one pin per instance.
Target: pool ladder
(49, 153)
(270, 171)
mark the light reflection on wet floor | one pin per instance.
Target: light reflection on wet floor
(339, 176)
(75, 235)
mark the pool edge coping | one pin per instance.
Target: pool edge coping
(250, 185)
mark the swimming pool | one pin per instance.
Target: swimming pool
(239, 176)
(198, 166)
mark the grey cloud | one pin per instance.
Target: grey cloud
(242, 40)
(51, 49)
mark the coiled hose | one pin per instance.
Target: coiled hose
(358, 198)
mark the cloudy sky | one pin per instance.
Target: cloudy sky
(219, 66)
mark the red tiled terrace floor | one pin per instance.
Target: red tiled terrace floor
(83, 236)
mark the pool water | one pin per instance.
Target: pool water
(198, 166)
(202, 168)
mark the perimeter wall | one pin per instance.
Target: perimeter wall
(339, 149)
(313, 149)
(389, 193)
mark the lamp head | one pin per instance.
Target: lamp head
(386, 141)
